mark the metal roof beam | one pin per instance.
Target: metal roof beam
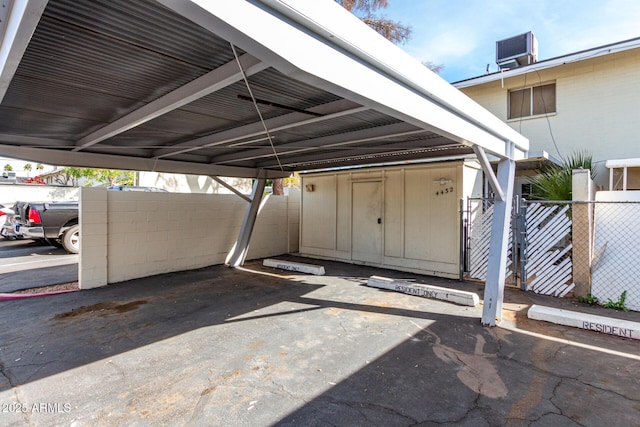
(18, 21)
(348, 152)
(213, 81)
(33, 141)
(109, 161)
(329, 111)
(348, 138)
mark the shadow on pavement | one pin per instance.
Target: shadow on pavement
(259, 347)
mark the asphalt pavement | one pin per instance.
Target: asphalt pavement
(260, 347)
(26, 264)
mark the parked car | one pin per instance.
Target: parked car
(57, 222)
(54, 222)
(6, 222)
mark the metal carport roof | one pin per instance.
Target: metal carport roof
(252, 88)
(155, 85)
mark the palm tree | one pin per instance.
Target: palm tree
(27, 168)
(554, 182)
(39, 167)
(8, 167)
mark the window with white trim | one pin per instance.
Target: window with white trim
(532, 101)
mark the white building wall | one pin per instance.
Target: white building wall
(155, 233)
(596, 108)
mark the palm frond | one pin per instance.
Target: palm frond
(555, 182)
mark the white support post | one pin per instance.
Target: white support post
(494, 285)
(239, 251)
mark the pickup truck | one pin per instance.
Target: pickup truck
(54, 222)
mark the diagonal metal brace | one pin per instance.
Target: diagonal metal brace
(230, 188)
(488, 171)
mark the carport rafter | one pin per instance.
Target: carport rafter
(347, 138)
(213, 81)
(328, 111)
(108, 161)
(382, 150)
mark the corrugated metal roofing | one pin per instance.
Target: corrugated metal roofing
(92, 62)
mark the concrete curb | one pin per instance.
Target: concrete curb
(300, 267)
(425, 291)
(591, 322)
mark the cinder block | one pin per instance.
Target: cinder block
(96, 217)
(89, 229)
(117, 206)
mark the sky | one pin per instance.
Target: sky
(461, 34)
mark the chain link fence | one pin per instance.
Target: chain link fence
(562, 248)
(615, 261)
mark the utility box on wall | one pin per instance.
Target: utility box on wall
(400, 217)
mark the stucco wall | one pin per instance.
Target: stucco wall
(153, 233)
(596, 108)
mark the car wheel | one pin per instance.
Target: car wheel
(71, 239)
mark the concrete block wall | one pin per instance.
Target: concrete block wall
(155, 233)
(270, 234)
(92, 215)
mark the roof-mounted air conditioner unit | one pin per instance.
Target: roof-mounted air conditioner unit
(517, 51)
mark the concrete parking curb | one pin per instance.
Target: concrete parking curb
(425, 291)
(300, 267)
(606, 325)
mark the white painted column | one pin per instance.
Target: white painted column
(93, 213)
(494, 286)
(239, 251)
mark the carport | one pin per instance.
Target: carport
(255, 89)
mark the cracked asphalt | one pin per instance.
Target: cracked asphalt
(258, 347)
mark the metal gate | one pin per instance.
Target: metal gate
(540, 249)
